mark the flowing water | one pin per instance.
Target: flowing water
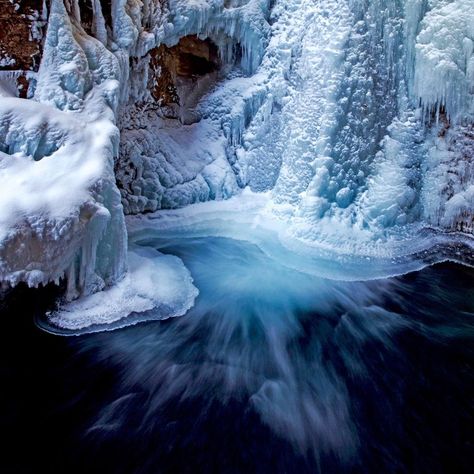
(272, 370)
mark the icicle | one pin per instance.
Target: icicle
(445, 61)
(98, 28)
(44, 11)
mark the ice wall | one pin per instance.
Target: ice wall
(372, 127)
(424, 168)
(444, 83)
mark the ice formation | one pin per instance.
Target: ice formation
(355, 116)
(169, 162)
(61, 211)
(153, 282)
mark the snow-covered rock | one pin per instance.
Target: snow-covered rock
(61, 214)
(153, 282)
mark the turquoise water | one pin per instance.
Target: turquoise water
(273, 370)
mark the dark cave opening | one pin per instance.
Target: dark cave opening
(195, 57)
(181, 74)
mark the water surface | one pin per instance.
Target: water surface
(273, 370)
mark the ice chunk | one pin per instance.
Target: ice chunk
(154, 281)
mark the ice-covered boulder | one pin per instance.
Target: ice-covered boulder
(60, 212)
(60, 209)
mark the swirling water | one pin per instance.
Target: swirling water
(273, 370)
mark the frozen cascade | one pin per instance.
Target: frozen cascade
(366, 88)
(355, 158)
(312, 110)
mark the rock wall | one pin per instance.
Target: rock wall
(22, 26)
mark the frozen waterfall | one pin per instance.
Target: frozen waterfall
(352, 118)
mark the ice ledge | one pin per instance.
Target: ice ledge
(156, 287)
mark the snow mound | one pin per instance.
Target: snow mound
(155, 283)
(58, 198)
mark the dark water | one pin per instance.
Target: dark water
(272, 371)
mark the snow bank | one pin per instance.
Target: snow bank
(60, 210)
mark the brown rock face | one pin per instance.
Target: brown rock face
(87, 15)
(188, 61)
(22, 84)
(20, 34)
(195, 57)
(163, 76)
(21, 31)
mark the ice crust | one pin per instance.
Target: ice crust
(352, 256)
